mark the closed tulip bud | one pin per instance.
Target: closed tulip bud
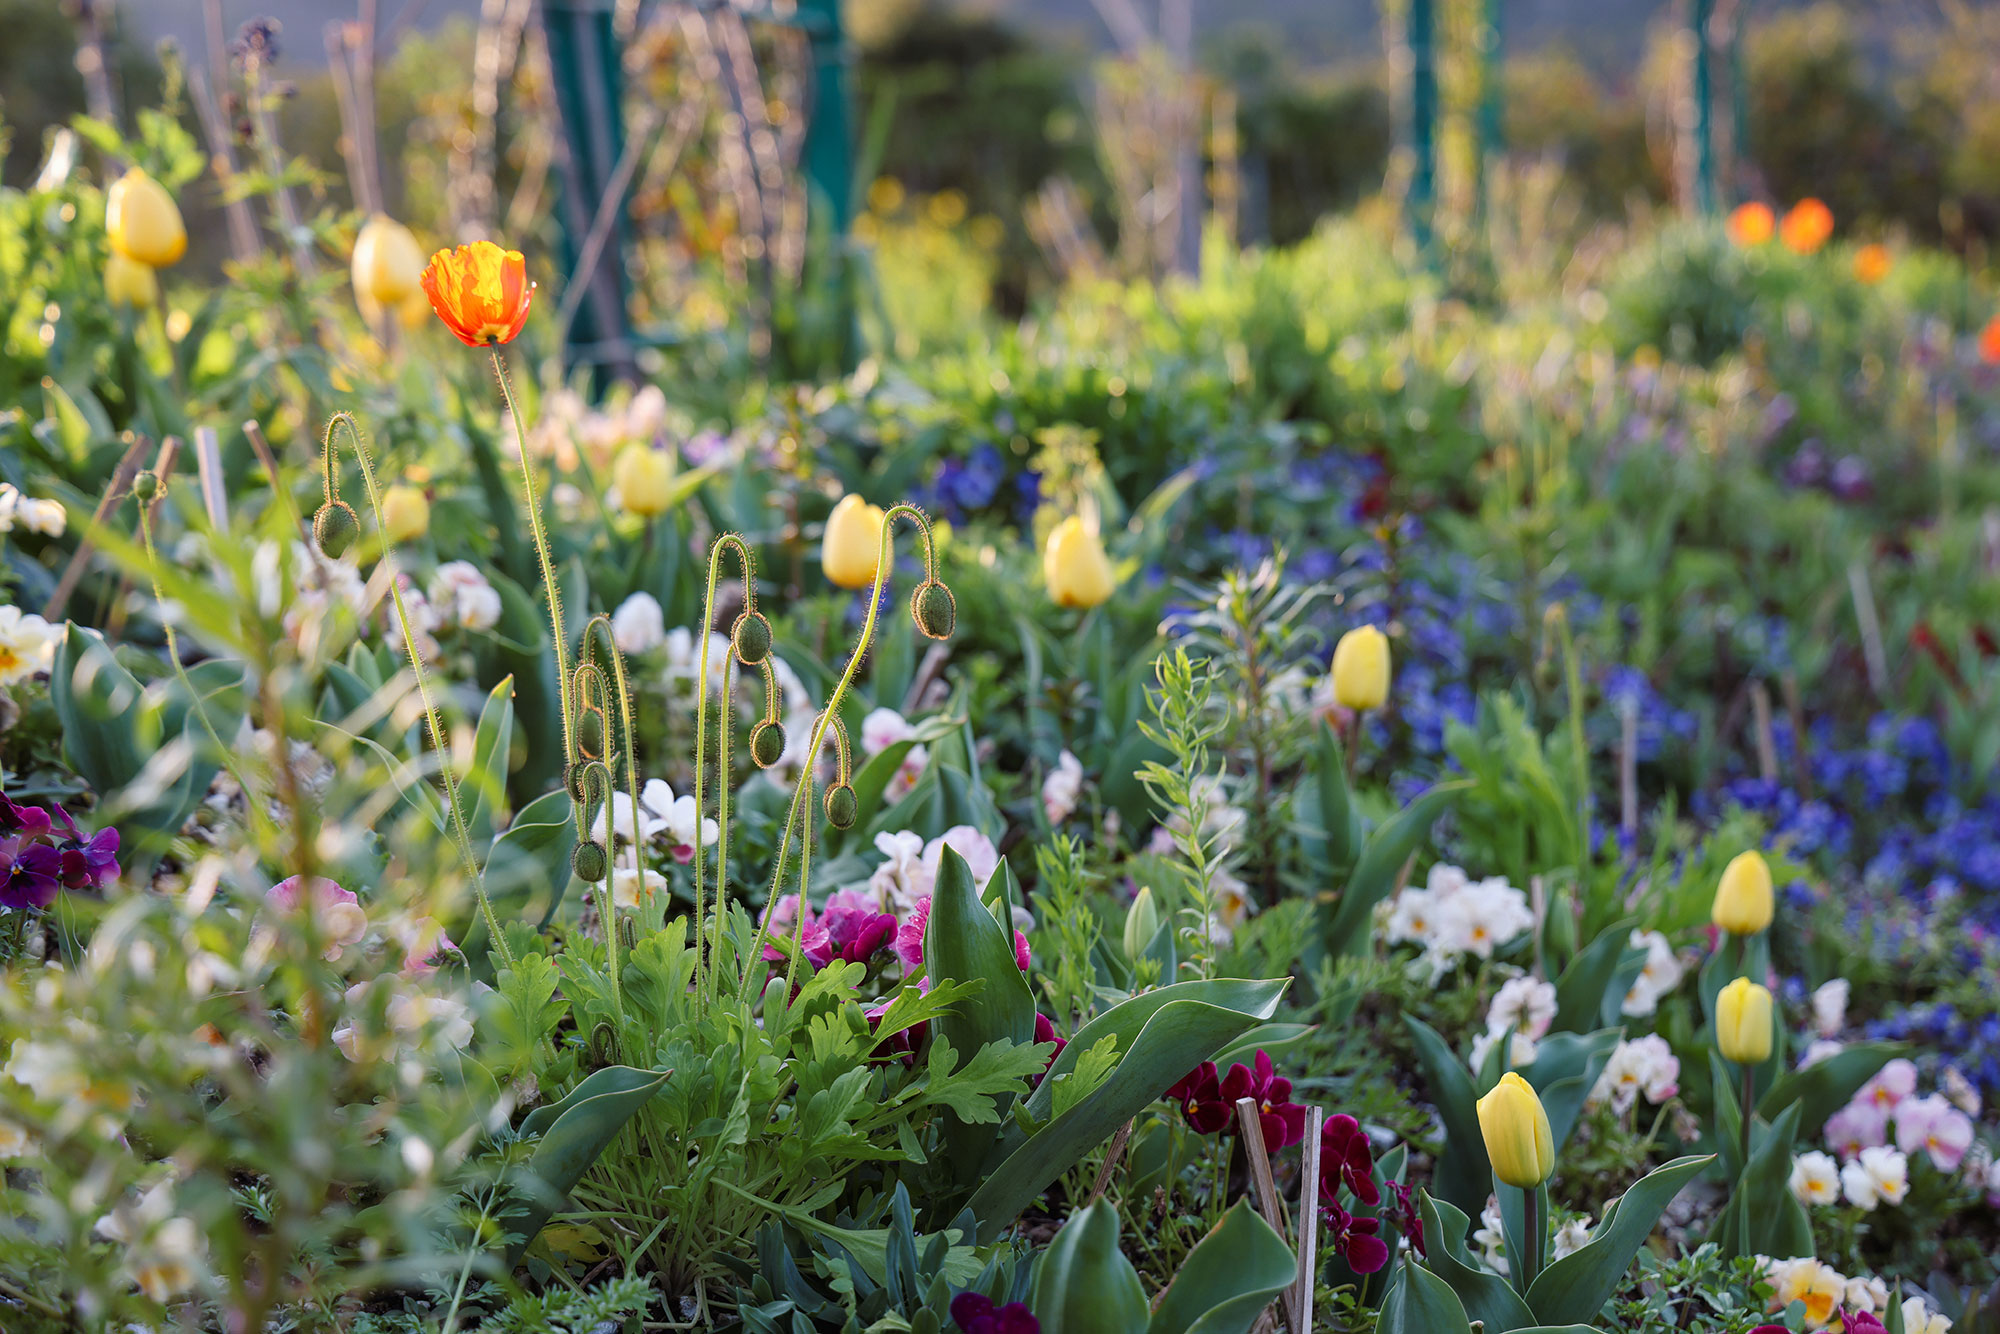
(1361, 668)
(1142, 923)
(388, 265)
(129, 283)
(1074, 565)
(644, 477)
(406, 514)
(1743, 897)
(142, 221)
(1743, 1022)
(1519, 1143)
(852, 543)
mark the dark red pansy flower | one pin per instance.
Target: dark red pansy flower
(976, 1314)
(1283, 1121)
(1355, 1239)
(1346, 1157)
(1200, 1096)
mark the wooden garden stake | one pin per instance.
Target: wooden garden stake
(1628, 765)
(1872, 651)
(1795, 709)
(1264, 1191)
(208, 466)
(1302, 1301)
(1767, 744)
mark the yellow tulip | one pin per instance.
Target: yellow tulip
(1074, 565)
(1361, 668)
(853, 543)
(406, 513)
(127, 282)
(142, 221)
(1743, 897)
(644, 477)
(1519, 1143)
(1743, 1022)
(388, 265)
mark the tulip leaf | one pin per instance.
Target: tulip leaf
(962, 943)
(1381, 862)
(1171, 1039)
(1762, 1216)
(1581, 991)
(1565, 1069)
(1083, 1282)
(1574, 1289)
(872, 779)
(1338, 819)
(1420, 1302)
(582, 1128)
(1824, 1087)
(1485, 1295)
(531, 858)
(1227, 1279)
(482, 792)
(1464, 1175)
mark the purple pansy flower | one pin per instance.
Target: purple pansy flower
(30, 873)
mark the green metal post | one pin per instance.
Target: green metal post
(1699, 14)
(828, 155)
(585, 61)
(1492, 128)
(1423, 118)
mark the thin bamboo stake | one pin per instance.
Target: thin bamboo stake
(1767, 744)
(1872, 651)
(208, 466)
(1628, 765)
(1309, 1220)
(1264, 1190)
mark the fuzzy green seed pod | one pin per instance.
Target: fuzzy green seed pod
(335, 528)
(145, 486)
(573, 782)
(934, 609)
(842, 807)
(752, 637)
(767, 743)
(589, 861)
(590, 732)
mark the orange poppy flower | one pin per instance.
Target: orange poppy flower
(1871, 263)
(480, 291)
(1806, 226)
(1751, 224)
(1989, 342)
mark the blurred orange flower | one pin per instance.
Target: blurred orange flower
(1751, 224)
(480, 291)
(1989, 342)
(1871, 263)
(1806, 227)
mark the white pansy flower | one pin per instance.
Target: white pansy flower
(1815, 1179)
(660, 812)
(27, 645)
(1571, 1237)
(1523, 1004)
(1062, 788)
(164, 1251)
(900, 881)
(1521, 1049)
(1829, 1007)
(1645, 1065)
(1920, 1319)
(1658, 976)
(626, 885)
(463, 596)
(1881, 1175)
(1491, 1237)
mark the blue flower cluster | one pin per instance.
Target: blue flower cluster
(1973, 1045)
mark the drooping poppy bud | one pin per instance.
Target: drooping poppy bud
(842, 807)
(767, 743)
(335, 527)
(751, 637)
(934, 609)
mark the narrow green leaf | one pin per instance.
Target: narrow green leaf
(1380, 862)
(1227, 1279)
(1574, 1289)
(1083, 1282)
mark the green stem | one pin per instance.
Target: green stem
(748, 563)
(803, 788)
(460, 834)
(1538, 1235)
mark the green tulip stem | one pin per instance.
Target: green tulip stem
(1538, 1236)
(1749, 1111)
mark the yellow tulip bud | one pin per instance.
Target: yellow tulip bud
(406, 514)
(852, 544)
(127, 282)
(1074, 565)
(644, 476)
(1361, 668)
(1519, 1143)
(388, 263)
(142, 221)
(1743, 1022)
(1743, 897)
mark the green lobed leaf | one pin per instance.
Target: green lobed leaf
(1380, 862)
